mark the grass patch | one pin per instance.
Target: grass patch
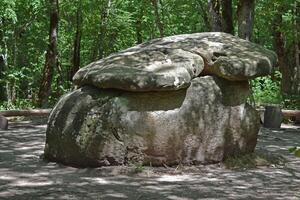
(253, 160)
(138, 168)
(295, 151)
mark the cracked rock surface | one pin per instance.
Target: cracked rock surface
(171, 63)
(202, 124)
(175, 100)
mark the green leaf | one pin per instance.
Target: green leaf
(292, 149)
(297, 153)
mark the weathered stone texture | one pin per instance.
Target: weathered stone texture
(170, 63)
(111, 127)
(179, 99)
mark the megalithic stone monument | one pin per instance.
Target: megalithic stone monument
(179, 99)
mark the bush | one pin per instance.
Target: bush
(266, 90)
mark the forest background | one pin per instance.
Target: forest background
(44, 42)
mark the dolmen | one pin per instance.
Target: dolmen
(174, 100)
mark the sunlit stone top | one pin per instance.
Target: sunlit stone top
(171, 63)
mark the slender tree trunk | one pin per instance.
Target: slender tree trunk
(77, 41)
(12, 85)
(214, 15)
(138, 25)
(3, 96)
(51, 56)
(280, 51)
(202, 10)
(159, 23)
(279, 40)
(245, 14)
(138, 29)
(227, 22)
(296, 85)
(103, 28)
(3, 62)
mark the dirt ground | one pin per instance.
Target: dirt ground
(24, 175)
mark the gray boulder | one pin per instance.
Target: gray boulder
(179, 99)
(204, 123)
(171, 63)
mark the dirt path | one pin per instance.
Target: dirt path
(23, 175)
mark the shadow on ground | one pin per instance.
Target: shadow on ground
(23, 175)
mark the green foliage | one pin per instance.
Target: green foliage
(295, 151)
(266, 90)
(24, 29)
(7, 10)
(138, 168)
(291, 102)
(18, 105)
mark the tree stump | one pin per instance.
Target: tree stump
(273, 117)
(3, 123)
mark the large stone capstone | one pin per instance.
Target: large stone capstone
(180, 99)
(170, 63)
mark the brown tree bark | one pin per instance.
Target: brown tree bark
(103, 28)
(77, 41)
(2, 83)
(296, 83)
(159, 23)
(202, 10)
(138, 25)
(279, 48)
(227, 21)
(245, 14)
(11, 85)
(51, 56)
(3, 62)
(214, 16)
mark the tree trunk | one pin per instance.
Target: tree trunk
(3, 62)
(279, 48)
(227, 22)
(103, 28)
(77, 41)
(138, 25)
(296, 82)
(11, 92)
(245, 14)
(202, 10)
(11, 86)
(3, 96)
(51, 56)
(214, 15)
(158, 20)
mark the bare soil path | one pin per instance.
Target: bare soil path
(23, 175)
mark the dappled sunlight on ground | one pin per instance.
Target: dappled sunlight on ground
(24, 175)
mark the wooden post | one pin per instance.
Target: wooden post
(3, 123)
(273, 117)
